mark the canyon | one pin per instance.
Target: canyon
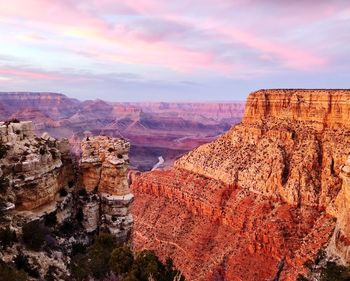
(153, 128)
(257, 203)
(262, 199)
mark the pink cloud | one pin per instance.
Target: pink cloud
(29, 74)
(289, 55)
(119, 43)
(82, 26)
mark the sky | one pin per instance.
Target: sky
(183, 50)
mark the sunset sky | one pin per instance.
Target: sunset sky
(173, 50)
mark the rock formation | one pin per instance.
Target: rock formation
(262, 192)
(104, 168)
(33, 169)
(340, 242)
(40, 185)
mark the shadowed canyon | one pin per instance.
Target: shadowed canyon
(268, 199)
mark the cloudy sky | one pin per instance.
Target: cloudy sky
(132, 50)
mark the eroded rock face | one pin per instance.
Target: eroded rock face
(40, 189)
(215, 231)
(340, 242)
(281, 168)
(276, 153)
(104, 171)
(319, 108)
(104, 164)
(33, 169)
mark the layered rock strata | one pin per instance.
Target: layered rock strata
(104, 171)
(40, 190)
(288, 154)
(33, 169)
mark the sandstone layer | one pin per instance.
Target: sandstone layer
(281, 169)
(104, 172)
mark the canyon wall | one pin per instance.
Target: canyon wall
(319, 108)
(262, 194)
(276, 153)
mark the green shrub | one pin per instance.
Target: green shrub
(42, 150)
(105, 256)
(121, 260)
(96, 262)
(51, 274)
(82, 192)
(9, 273)
(100, 253)
(22, 263)
(4, 184)
(146, 264)
(50, 219)
(54, 153)
(3, 150)
(34, 235)
(80, 215)
(335, 272)
(79, 267)
(7, 237)
(67, 228)
(78, 248)
(63, 192)
(170, 272)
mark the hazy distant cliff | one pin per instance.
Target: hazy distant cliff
(154, 129)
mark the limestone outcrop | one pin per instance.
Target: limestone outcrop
(104, 172)
(33, 169)
(42, 193)
(288, 154)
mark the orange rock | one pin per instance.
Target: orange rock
(232, 209)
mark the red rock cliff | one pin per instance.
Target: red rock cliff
(233, 208)
(319, 108)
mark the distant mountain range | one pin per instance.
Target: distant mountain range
(153, 128)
